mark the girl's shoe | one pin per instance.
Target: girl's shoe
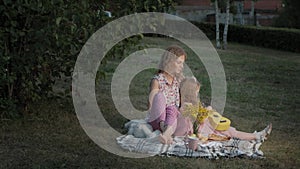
(262, 135)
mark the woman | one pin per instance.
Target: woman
(164, 99)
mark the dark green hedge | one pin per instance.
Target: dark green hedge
(41, 39)
(275, 38)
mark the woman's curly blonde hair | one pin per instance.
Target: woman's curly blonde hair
(169, 56)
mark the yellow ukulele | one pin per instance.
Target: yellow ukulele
(218, 121)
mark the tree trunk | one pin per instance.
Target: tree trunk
(252, 8)
(226, 25)
(240, 9)
(252, 12)
(217, 25)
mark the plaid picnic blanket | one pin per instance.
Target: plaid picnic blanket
(212, 149)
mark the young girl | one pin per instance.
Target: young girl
(164, 93)
(189, 89)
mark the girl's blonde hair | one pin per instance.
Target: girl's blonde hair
(169, 56)
(188, 88)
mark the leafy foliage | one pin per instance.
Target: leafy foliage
(137, 6)
(40, 41)
(290, 15)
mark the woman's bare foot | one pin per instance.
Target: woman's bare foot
(165, 139)
(170, 140)
(162, 139)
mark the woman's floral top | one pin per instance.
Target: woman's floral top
(170, 91)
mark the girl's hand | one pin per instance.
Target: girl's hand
(184, 105)
(209, 108)
(187, 104)
(202, 138)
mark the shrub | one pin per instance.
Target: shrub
(39, 41)
(276, 38)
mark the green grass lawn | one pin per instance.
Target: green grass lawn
(262, 87)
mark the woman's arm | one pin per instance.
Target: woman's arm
(154, 88)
